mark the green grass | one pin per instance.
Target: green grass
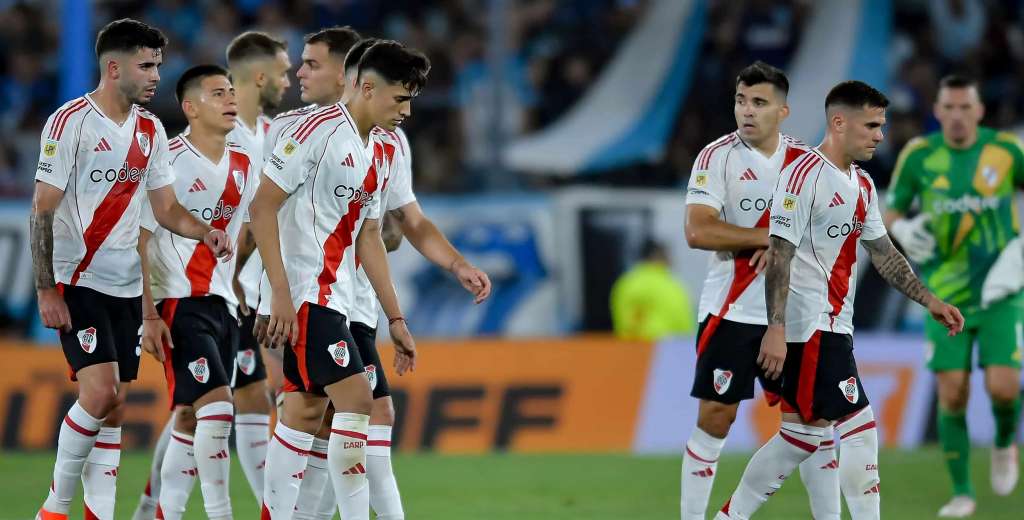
(591, 487)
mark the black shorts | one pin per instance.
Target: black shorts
(820, 380)
(249, 359)
(205, 337)
(324, 354)
(105, 329)
(366, 339)
(727, 361)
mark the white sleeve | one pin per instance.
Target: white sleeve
(286, 165)
(399, 187)
(874, 227)
(57, 156)
(160, 173)
(707, 185)
(791, 211)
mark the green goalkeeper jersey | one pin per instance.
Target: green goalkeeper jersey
(970, 198)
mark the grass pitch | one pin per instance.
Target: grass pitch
(506, 487)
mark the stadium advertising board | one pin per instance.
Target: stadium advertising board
(585, 394)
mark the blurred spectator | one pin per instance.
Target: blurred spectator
(648, 302)
(557, 51)
(958, 25)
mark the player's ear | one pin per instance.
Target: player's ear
(783, 111)
(113, 69)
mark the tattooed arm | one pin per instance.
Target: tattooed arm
(776, 292)
(432, 244)
(776, 283)
(894, 268)
(52, 308)
(391, 232)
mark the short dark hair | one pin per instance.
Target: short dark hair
(337, 39)
(761, 72)
(396, 63)
(652, 249)
(958, 81)
(128, 35)
(855, 94)
(253, 44)
(355, 54)
(194, 75)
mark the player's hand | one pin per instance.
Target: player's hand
(155, 335)
(283, 327)
(946, 314)
(53, 309)
(220, 243)
(405, 347)
(259, 330)
(759, 260)
(773, 351)
(472, 279)
(918, 243)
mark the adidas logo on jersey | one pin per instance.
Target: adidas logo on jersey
(748, 175)
(222, 454)
(348, 161)
(832, 464)
(198, 185)
(836, 200)
(103, 146)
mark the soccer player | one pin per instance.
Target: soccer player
(194, 297)
(259, 68)
(403, 217)
(728, 199)
(344, 148)
(97, 150)
(965, 238)
(259, 74)
(822, 207)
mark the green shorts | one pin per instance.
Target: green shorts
(999, 331)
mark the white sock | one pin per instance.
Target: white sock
(314, 482)
(858, 466)
(820, 475)
(328, 505)
(177, 476)
(287, 455)
(146, 510)
(99, 475)
(385, 499)
(252, 434)
(770, 467)
(77, 436)
(213, 429)
(346, 456)
(700, 461)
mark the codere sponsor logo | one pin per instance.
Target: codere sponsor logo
(964, 204)
(353, 194)
(120, 175)
(221, 210)
(844, 229)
